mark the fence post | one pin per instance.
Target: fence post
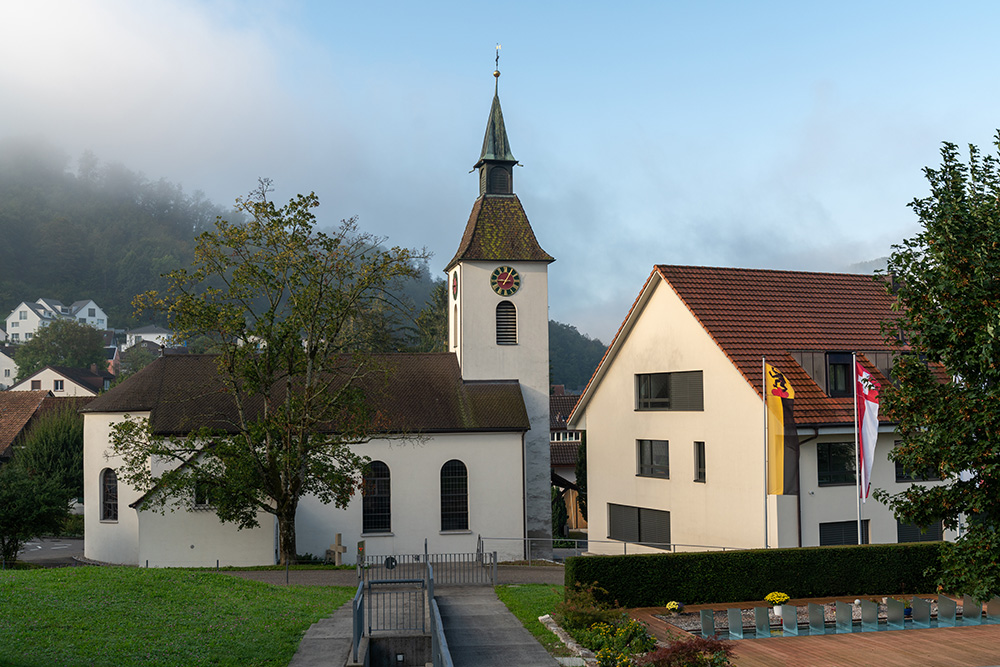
(494, 569)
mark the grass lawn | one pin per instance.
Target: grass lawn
(528, 602)
(132, 616)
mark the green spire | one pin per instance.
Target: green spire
(495, 143)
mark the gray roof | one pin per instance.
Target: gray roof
(413, 393)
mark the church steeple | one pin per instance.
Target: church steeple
(496, 162)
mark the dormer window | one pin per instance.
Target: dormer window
(838, 374)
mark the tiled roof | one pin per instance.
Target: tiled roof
(559, 408)
(752, 313)
(564, 453)
(498, 230)
(84, 377)
(411, 393)
(16, 410)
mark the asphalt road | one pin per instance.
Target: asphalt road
(52, 551)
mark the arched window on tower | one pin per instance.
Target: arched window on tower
(109, 495)
(376, 505)
(506, 323)
(454, 327)
(454, 496)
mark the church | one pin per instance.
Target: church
(479, 469)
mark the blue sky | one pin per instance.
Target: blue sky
(782, 135)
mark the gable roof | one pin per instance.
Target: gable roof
(81, 376)
(16, 410)
(498, 230)
(560, 405)
(150, 329)
(754, 313)
(417, 393)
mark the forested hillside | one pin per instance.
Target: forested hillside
(89, 230)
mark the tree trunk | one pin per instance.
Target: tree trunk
(286, 536)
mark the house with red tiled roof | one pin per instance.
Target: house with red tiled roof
(674, 415)
(564, 446)
(18, 409)
(463, 458)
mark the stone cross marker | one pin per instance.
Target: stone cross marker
(336, 551)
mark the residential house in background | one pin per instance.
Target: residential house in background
(19, 409)
(25, 320)
(564, 445)
(674, 414)
(151, 334)
(65, 381)
(8, 367)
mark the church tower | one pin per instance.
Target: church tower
(498, 319)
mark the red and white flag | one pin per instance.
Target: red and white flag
(866, 391)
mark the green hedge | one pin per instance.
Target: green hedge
(738, 576)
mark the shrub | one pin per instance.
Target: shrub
(693, 652)
(733, 576)
(583, 609)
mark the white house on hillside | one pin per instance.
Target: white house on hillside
(151, 333)
(65, 381)
(479, 468)
(25, 320)
(674, 416)
(8, 368)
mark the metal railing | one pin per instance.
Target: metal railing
(538, 548)
(358, 620)
(399, 607)
(453, 568)
(440, 654)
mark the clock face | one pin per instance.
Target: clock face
(505, 280)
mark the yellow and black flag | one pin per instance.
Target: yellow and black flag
(782, 436)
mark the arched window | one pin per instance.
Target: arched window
(454, 327)
(376, 506)
(109, 495)
(506, 323)
(454, 496)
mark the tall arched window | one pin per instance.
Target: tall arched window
(109, 495)
(376, 505)
(454, 327)
(454, 496)
(506, 323)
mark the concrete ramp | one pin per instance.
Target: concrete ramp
(481, 631)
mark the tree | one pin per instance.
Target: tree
(581, 475)
(291, 311)
(432, 322)
(946, 385)
(134, 359)
(30, 505)
(572, 355)
(63, 342)
(53, 449)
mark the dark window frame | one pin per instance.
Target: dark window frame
(376, 499)
(109, 495)
(839, 375)
(675, 391)
(837, 532)
(907, 532)
(639, 525)
(700, 463)
(825, 474)
(454, 496)
(646, 456)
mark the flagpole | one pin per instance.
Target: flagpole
(858, 464)
(763, 387)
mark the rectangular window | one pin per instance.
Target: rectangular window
(653, 458)
(57, 385)
(682, 391)
(838, 374)
(27, 336)
(906, 476)
(91, 312)
(204, 495)
(842, 532)
(835, 463)
(14, 324)
(6, 372)
(699, 461)
(639, 525)
(83, 320)
(36, 385)
(15, 336)
(22, 315)
(908, 532)
(100, 322)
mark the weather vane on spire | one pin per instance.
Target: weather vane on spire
(496, 72)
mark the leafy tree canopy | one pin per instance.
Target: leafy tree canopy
(53, 449)
(63, 342)
(294, 314)
(573, 356)
(947, 283)
(30, 505)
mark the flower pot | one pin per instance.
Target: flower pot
(777, 610)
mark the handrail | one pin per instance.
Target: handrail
(358, 619)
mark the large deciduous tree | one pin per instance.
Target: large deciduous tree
(63, 342)
(53, 448)
(30, 505)
(293, 313)
(946, 393)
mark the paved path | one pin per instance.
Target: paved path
(481, 632)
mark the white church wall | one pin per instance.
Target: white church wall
(182, 538)
(106, 541)
(493, 461)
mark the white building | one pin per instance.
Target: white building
(8, 367)
(66, 381)
(674, 416)
(480, 467)
(25, 320)
(151, 333)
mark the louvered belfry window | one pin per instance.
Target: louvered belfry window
(506, 323)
